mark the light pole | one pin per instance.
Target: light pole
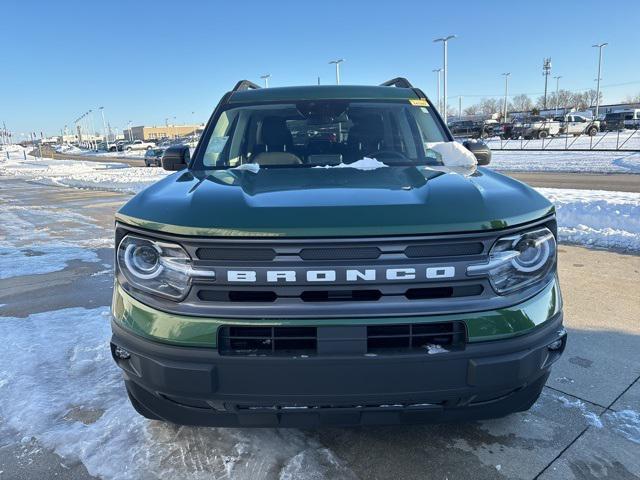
(557, 77)
(337, 64)
(445, 42)
(266, 79)
(104, 129)
(599, 46)
(546, 71)
(506, 94)
(437, 72)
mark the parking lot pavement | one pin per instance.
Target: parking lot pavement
(585, 425)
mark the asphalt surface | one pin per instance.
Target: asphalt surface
(599, 373)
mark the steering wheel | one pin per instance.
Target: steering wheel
(387, 153)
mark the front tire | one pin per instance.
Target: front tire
(592, 131)
(543, 134)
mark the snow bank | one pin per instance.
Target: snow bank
(82, 413)
(597, 218)
(82, 174)
(578, 162)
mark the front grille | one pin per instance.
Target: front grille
(338, 294)
(267, 340)
(361, 253)
(428, 338)
(358, 276)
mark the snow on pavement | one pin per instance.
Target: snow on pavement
(114, 176)
(81, 412)
(570, 162)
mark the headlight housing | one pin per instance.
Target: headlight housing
(518, 260)
(157, 267)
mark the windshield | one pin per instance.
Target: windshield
(317, 133)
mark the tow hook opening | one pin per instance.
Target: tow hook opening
(559, 343)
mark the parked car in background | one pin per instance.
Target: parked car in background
(535, 126)
(139, 145)
(474, 129)
(632, 124)
(578, 125)
(153, 157)
(614, 121)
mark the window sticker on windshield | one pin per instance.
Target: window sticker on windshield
(418, 102)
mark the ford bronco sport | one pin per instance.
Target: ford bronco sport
(316, 261)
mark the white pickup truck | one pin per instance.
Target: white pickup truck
(578, 124)
(140, 145)
(535, 126)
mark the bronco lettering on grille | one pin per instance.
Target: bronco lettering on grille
(347, 275)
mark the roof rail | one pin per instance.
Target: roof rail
(244, 85)
(400, 82)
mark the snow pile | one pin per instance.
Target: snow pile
(579, 162)
(251, 167)
(453, 154)
(73, 173)
(365, 163)
(82, 413)
(597, 218)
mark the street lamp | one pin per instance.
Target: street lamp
(337, 64)
(104, 129)
(437, 72)
(445, 42)
(557, 77)
(266, 79)
(599, 46)
(506, 94)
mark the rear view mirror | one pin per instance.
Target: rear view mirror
(480, 150)
(176, 158)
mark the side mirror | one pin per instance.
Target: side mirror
(176, 158)
(480, 150)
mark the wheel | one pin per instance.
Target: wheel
(149, 147)
(543, 134)
(592, 131)
(147, 164)
(128, 149)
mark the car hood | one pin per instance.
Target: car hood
(316, 202)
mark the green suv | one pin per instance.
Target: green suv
(318, 260)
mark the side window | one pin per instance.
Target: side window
(219, 138)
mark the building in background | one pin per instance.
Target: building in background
(165, 131)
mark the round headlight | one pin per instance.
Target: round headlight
(532, 255)
(518, 260)
(143, 260)
(154, 266)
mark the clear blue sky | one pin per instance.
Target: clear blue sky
(148, 60)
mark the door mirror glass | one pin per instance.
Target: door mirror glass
(480, 150)
(176, 158)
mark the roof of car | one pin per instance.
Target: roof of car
(322, 92)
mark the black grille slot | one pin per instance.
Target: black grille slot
(341, 295)
(238, 254)
(443, 292)
(348, 253)
(444, 250)
(427, 337)
(237, 296)
(267, 341)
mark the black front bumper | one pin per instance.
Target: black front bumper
(196, 386)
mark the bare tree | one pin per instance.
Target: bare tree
(521, 103)
(472, 110)
(632, 98)
(489, 106)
